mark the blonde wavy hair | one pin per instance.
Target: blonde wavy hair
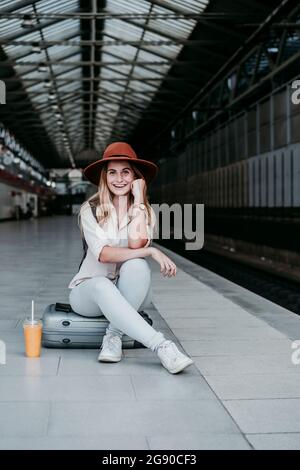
(102, 200)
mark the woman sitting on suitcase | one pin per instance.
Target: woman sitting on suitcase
(114, 278)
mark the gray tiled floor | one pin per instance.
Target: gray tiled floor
(241, 393)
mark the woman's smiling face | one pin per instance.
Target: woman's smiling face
(120, 175)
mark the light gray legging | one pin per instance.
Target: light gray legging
(119, 301)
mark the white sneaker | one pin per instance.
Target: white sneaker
(111, 349)
(171, 358)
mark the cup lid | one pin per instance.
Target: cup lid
(36, 321)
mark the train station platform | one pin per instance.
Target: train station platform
(242, 392)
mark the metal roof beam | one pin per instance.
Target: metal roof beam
(21, 4)
(130, 74)
(164, 34)
(202, 20)
(121, 79)
(105, 14)
(246, 48)
(38, 27)
(142, 66)
(80, 63)
(116, 42)
(17, 61)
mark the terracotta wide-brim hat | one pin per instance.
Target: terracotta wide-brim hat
(120, 151)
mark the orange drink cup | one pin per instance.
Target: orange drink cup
(33, 337)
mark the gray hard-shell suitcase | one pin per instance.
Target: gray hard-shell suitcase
(64, 328)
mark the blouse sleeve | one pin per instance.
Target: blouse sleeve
(94, 235)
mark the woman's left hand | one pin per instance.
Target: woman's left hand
(137, 189)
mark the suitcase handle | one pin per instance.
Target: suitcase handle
(60, 307)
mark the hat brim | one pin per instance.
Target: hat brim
(148, 169)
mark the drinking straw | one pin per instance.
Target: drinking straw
(32, 311)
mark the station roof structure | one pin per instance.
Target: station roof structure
(80, 74)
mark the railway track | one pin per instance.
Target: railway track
(273, 287)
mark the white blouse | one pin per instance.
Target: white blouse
(97, 237)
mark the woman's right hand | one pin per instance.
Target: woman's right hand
(167, 267)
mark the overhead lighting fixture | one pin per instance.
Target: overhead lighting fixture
(232, 81)
(42, 67)
(27, 21)
(47, 83)
(7, 158)
(51, 95)
(36, 48)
